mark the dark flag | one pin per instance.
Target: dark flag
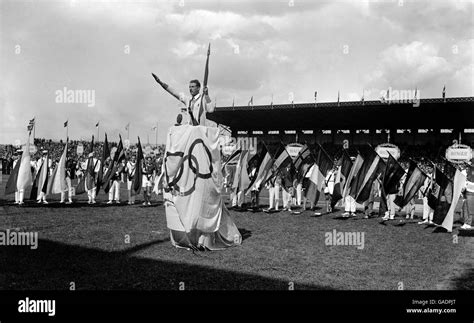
(344, 168)
(314, 187)
(255, 162)
(105, 154)
(376, 168)
(11, 183)
(34, 188)
(446, 198)
(449, 170)
(413, 182)
(440, 197)
(137, 177)
(440, 182)
(264, 169)
(118, 156)
(89, 177)
(304, 157)
(390, 181)
(282, 158)
(352, 175)
(356, 184)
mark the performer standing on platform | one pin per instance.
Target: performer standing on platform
(197, 105)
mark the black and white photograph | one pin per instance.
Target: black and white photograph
(285, 158)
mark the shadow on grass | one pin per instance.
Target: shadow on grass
(76, 204)
(465, 281)
(245, 233)
(53, 266)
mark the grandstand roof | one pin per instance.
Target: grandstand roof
(431, 113)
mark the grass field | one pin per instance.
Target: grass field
(87, 245)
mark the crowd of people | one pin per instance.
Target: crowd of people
(289, 193)
(113, 174)
(84, 173)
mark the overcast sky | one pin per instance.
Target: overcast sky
(258, 48)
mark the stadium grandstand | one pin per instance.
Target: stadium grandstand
(421, 129)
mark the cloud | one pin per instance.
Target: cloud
(259, 48)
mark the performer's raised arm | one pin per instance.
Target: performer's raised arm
(169, 89)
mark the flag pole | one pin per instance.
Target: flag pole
(67, 128)
(34, 129)
(98, 132)
(156, 135)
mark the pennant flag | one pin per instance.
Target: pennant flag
(315, 185)
(116, 160)
(34, 188)
(375, 169)
(12, 180)
(449, 169)
(251, 101)
(459, 184)
(241, 177)
(315, 96)
(390, 181)
(264, 161)
(343, 170)
(138, 176)
(90, 169)
(153, 128)
(414, 180)
(304, 157)
(97, 124)
(65, 124)
(234, 157)
(440, 182)
(44, 176)
(59, 175)
(441, 196)
(352, 175)
(358, 181)
(24, 178)
(105, 153)
(127, 126)
(444, 92)
(31, 124)
(283, 159)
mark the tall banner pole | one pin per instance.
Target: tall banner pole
(34, 129)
